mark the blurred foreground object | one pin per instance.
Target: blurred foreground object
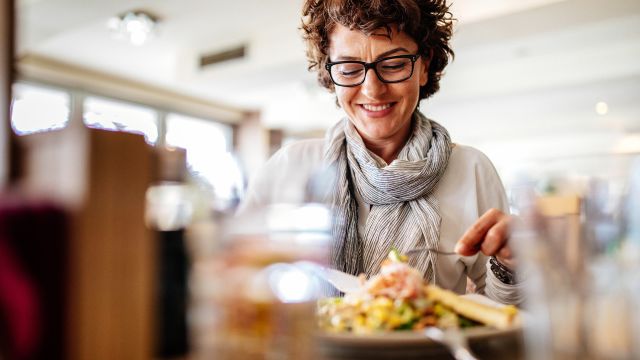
(169, 212)
(251, 297)
(6, 79)
(100, 178)
(582, 269)
(33, 274)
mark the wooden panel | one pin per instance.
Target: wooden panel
(102, 177)
(563, 225)
(559, 205)
(112, 266)
(251, 144)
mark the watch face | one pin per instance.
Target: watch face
(503, 274)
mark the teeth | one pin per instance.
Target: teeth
(376, 107)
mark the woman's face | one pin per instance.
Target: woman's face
(380, 112)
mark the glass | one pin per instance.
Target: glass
(100, 113)
(389, 70)
(253, 296)
(36, 109)
(580, 269)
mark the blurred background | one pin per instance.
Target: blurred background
(550, 86)
(195, 95)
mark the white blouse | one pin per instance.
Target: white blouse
(469, 187)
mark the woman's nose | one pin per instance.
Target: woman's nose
(372, 87)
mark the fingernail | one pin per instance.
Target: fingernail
(459, 247)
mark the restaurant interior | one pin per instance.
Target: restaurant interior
(131, 131)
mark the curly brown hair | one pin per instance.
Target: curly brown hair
(428, 22)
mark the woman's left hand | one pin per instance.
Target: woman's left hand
(490, 235)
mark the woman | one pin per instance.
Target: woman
(399, 182)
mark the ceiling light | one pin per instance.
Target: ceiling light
(135, 26)
(602, 108)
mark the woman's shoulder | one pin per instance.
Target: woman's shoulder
(297, 152)
(284, 177)
(471, 163)
(471, 175)
(470, 158)
(308, 149)
(469, 154)
(300, 157)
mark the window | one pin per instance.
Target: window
(209, 155)
(37, 109)
(101, 113)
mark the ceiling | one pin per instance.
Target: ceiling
(526, 71)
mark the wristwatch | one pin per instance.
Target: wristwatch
(503, 273)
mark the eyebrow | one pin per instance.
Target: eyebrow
(383, 55)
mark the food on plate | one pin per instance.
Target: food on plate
(502, 317)
(399, 299)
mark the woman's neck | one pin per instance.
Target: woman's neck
(388, 149)
(388, 152)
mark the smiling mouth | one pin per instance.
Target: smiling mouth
(377, 107)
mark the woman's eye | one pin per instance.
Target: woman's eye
(350, 72)
(393, 66)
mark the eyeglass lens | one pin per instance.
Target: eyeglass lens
(388, 70)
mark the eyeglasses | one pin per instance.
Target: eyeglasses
(389, 70)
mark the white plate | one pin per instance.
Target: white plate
(402, 338)
(486, 341)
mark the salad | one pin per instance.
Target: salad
(399, 299)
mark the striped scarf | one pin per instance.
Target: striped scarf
(404, 212)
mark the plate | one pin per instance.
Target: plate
(486, 343)
(404, 338)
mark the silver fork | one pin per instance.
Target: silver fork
(423, 249)
(454, 339)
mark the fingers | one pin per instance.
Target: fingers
(504, 253)
(496, 237)
(505, 257)
(473, 239)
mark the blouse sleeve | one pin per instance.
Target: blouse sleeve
(491, 194)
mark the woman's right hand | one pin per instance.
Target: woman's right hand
(489, 235)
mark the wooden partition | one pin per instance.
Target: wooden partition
(563, 225)
(101, 177)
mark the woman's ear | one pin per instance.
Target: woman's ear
(424, 68)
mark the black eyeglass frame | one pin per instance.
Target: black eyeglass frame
(372, 65)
